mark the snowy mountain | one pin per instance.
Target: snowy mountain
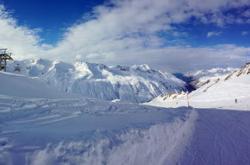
(228, 91)
(137, 83)
(201, 77)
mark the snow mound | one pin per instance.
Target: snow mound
(22, 86)
(88, 131)
(231, 91)
(138, 83)
(161, 143)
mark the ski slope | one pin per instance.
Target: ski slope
(231, 91)
(221, 137)
(87, 131)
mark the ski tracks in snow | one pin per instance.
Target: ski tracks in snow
(87, 131)
(148, 135)
(221, 137)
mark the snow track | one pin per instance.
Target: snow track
(221, 137)
(88, 131)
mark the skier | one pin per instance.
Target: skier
(235, 100)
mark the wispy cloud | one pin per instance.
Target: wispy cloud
(213, 34)
(127, 32)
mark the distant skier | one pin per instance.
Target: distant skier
(236, 101)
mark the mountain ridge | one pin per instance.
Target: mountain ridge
(137, 83)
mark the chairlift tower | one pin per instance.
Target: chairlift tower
(4, 57)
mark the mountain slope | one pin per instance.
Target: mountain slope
(202, 77)
(137, 83)
(229, 91)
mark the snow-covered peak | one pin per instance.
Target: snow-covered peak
(143, 67)
(138, 83)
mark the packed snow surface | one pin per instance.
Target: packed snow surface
(231, 91)
(137, 83)
(87, 131)
(221, 137)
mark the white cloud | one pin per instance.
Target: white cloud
(20, 40)
(213, 34)
(181, 58)
(128, 32)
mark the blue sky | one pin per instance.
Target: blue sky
(51, 16)
(166, 34)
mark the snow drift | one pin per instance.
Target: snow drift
(88, 131)
(23, 86)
